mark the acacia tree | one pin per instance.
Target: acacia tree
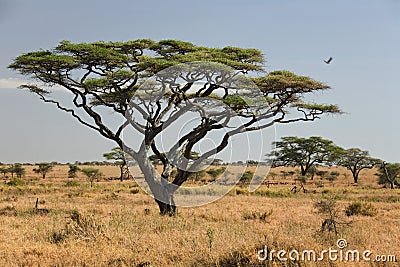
(43, 168)
(304, 152)
(73, 169)
(355, 160)
(4, 171)
(119, 158)
(389, 173)
(92, 174)
(18, 170)
(110, 75)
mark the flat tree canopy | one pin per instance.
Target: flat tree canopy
(133, 79)
(355, 160)
(305, 152)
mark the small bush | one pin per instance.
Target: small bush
(361, 208)
(241, 191)
(255, 215)
(135, 190)
(214, 173)
(16, 182)
(246, 177)
(9, 211)
(58, 237)
(72, 184)
(272, 193)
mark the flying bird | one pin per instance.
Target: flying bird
(329, 60)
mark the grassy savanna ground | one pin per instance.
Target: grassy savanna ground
(115, 224)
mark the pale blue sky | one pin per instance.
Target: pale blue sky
(362, 36)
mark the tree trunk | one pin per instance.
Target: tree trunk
(162, 193)
(355, 177)
(121, 169)
(303, 171)
(167, 208)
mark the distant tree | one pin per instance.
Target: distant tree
(246, 177)
(332, 176)
(92, 174)
(389, 173)
(273, 175)
(322, 174)
(304, 152)
(19, 170)
(72, 172)
(197, 176)
(43, 168)
(214, 173)
(4, 171)
(217, 162)
(355, 160)
(119, 158)
(302, 180)
(312, 171)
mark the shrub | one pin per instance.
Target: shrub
(214, 173)
(256, 215)
(197, 176)
(92, 174)
(72, 184)
(272, 193)
(72, 172)
(361, 208)
(246, 177)
(135, 190)
(16, 182)
(240, 191)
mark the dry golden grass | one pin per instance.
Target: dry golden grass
(112, 224)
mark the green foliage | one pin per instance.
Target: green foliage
(391, 175)
(135, 191)
(214, 173)
(72, 184)
(322, 174)
(16, 182)
(246, 177)
(302, 179)
(109, 74)
(304, 152)
(43, 168)
(120, 159)
(197, 176)
(72, 172)
(256, 215)
(361, 208)
(4, 170)
(92, 174)
(332, 176)
(355, 160)
(117, 155)
(312, 171)
(16, 169)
